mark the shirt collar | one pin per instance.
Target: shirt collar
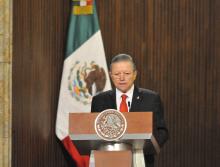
(129, 93)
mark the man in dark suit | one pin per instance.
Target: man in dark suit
(123, 74)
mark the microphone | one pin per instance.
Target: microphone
(129, 104)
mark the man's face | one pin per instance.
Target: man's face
(123, 75)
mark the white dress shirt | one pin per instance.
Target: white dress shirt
(129, 95)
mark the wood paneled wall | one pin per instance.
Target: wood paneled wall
(39, 28)
(176, 47)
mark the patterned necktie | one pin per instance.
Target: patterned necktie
(123, 105)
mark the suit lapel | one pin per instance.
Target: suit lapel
(136, 100)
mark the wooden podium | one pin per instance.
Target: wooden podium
(138, 136)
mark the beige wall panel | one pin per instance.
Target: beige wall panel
(5, 81)
(5, 115)
(5, 30)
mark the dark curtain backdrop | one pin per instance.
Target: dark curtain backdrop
(176, 46)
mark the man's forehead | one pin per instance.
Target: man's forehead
(122, 65)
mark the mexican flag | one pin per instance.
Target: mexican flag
(84, 71)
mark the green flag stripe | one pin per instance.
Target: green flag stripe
(81, 28)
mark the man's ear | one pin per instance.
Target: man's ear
(110, 74)
(135, 73)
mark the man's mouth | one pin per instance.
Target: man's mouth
(122, 84)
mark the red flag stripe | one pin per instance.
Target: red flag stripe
(81, 161)
(89, 2)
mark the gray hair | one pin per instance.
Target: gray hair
(123, 57)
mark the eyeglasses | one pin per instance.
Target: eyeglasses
(119, 75)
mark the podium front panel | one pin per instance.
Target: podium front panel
(138, 133)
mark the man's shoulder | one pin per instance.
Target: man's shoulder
(104, 94)
(147, 91)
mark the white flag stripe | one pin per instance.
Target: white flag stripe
(91, 50)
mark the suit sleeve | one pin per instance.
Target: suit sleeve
(160, 129)
(94, 107)
(97, 104)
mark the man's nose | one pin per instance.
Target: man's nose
(122, 77)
